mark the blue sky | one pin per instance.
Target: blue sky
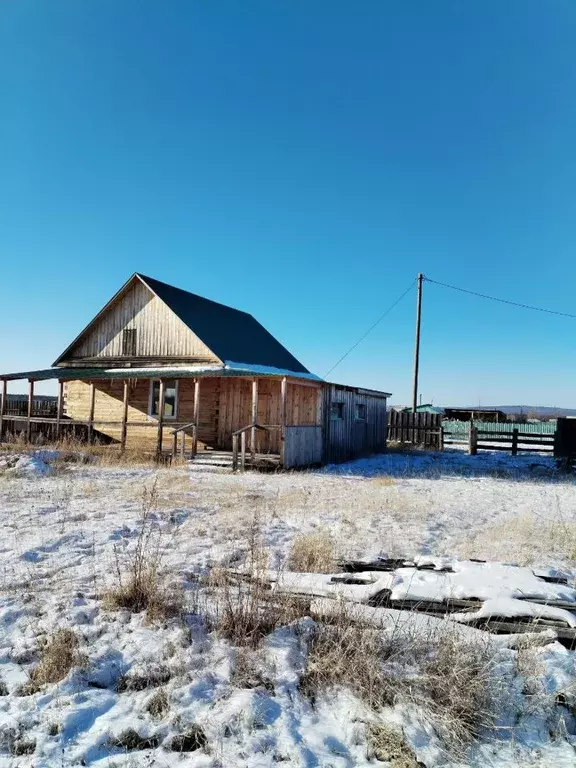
(302, 161)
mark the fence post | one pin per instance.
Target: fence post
(174, 444)
(243, 451)
(30, 410)
(3, 407)
(473, 448)
(234, 453)
(441, 435)
(515, 441)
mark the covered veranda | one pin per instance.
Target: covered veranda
(250, 410)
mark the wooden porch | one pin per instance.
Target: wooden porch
(246, 421)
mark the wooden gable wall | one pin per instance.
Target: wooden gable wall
(160, 334)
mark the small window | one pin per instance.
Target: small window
(337, 411)
(129, 342)
(170, 398)
(360, 412)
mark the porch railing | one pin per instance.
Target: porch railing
(240, 435)
(182, 431)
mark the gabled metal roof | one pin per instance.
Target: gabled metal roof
(229, 333)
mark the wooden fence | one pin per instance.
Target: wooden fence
(421, 429)
(18, 406)
(43, 431)
(516, 441)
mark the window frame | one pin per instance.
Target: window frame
(357, 408)
(152, 415)
(339, 416)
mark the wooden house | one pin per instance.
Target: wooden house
(160, 368)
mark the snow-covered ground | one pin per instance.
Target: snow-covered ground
(69, 528)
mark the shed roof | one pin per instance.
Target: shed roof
(153, 372)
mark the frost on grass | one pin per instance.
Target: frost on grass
(237, 673)
(58, 655)
(142, 581)
(456, 684)
(312, 553)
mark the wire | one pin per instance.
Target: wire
(361, 339)
(502, 301)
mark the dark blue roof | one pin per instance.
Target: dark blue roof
(231, 334)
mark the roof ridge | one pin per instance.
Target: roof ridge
(146, 279)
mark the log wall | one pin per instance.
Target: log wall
(225, 406)
(108, 406)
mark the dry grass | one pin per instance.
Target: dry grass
(244, 612)
(312, 553)
(249, 670)
(152, 676)
(141, 581)
(388, 745)
(383, 481)
(58, 656)
(193, 739)
(454, 684)
(130, 740)
(526, 540)
(242, 607)
(77, 452)
(158, 704)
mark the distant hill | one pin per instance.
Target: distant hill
(541, 411)
(537, 411)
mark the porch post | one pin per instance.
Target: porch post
(196, 416)
(30, 407)
(59, 408)
(3, 407)
(91, 411)
(124, 417)
(161, 405)
(254, 417)
(283, 397)
(319, 404)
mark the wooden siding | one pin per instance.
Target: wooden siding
(348, 438)
(108, 406)
(236, 409)
(225, 406)
(160, 334)
(302, 446)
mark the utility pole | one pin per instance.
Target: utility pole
(417, 345)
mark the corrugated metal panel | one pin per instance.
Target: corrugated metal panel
(462, 428)
(154, 372)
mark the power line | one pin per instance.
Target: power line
(361, 339)
(502, 301)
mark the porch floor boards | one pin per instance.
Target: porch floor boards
(218, 460)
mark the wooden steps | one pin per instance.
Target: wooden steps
(218, 461)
